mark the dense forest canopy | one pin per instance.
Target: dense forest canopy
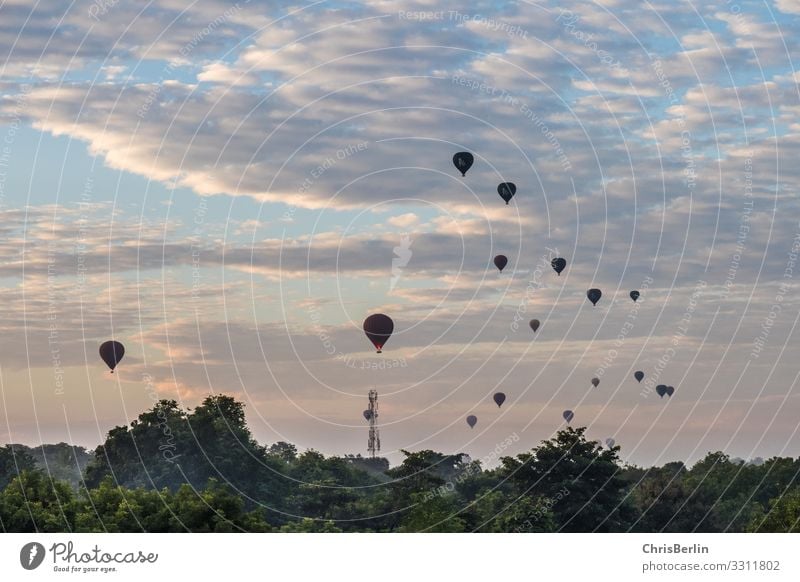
(200, 470)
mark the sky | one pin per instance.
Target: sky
(230, 188)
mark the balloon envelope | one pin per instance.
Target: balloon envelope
(568, 416)
(534, 325)
(367, 414)
(112, 352)
(670, 391)
(379, 328)
(595, 382)
(463, 161)
(661, 389)
(472, 420)
(634, 295)
(558, 265)
(639, 376)
(499, 398)
(507, 190)
(610, 443)
(500, 261)
(594, 295)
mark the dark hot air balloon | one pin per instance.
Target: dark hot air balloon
(639, 376)
(472, 420)
(595, 382)
(670, 391)
(379, 328)
(568, 416)
(610, 443)
(594, 295)
(463, 161)
(367, 414)
(500, 261)
(507, 190)
(558, 265)
(634, 295)
(112, 353)
(661, 389)
(534, 325)
(499, 398)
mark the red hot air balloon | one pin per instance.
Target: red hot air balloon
(379, 328)
(112, 352)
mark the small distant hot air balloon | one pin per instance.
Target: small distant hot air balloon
(499, 398)
(379, 328)
(534, 325)
(594, 295)
(367, 414)
(568, 416)
(661, 389)
(610, 443)
(639, 376)
(112, 352)
(463, 162)
(472, 420)
(500, 261)
(558, 265)
(595, 382)
(670, 391)
(634, 295)
(507, 190)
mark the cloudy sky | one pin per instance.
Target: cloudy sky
(231, 188)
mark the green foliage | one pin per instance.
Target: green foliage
(176, 470)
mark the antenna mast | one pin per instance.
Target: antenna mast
(374, 442)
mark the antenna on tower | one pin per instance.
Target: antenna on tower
(374, 442)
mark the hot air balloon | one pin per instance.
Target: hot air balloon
(558, 265)
(472, 420)
(534, 325)
(367, 414)
(463, 162)
(500, 261)
(639, 376)
(634, 295)
(661, 389)
(610, 443)
(507, 190)
(378, 328)
(499, 398)
(112, 353)
(568, 416)
(594, 295)
(595, 382)
(670, 391)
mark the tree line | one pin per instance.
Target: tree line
(201, 470)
